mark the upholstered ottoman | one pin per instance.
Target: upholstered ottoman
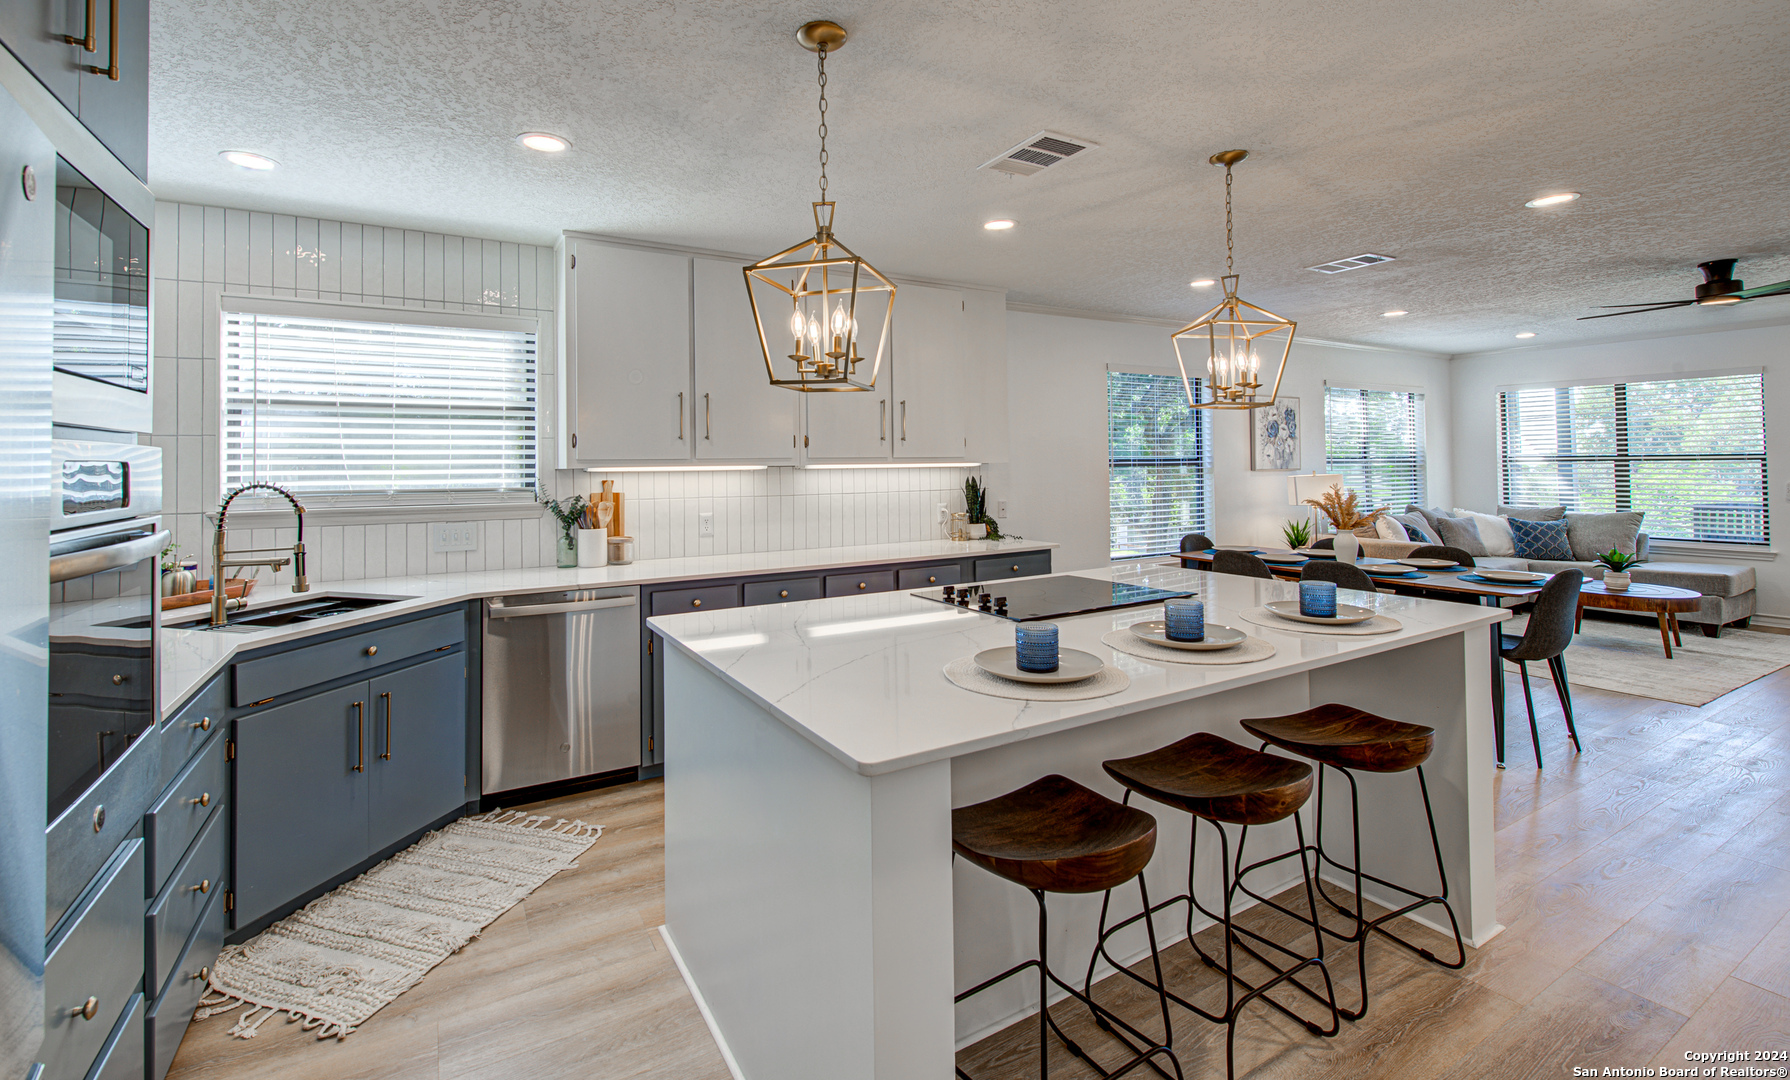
(1728, 591)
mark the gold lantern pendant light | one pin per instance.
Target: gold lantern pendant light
(1244, 347)
(815, 296)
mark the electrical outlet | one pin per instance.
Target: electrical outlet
(705, 524)
(1000, 508)
(453, 536)
(943, 513)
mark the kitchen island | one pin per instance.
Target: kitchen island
(811, 896)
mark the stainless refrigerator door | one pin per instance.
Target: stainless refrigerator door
(561, 688)
(27, 233)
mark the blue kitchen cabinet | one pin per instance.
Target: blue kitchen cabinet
(419, 772)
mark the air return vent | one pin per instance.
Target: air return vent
(1038, 153)
(1355, 263)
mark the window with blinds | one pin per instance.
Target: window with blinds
(1688, 452)
(1159, 464)
(1374, 439)
(372, 407)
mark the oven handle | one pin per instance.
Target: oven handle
(78, 564)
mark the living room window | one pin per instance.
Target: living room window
(1375, 440)
(1158, 462)
(365, 405)
(1688, 452)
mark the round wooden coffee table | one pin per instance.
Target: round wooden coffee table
(1663, 600)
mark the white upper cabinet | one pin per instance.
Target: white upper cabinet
(627, 350)
(739, 416)
(933, 397)
(852, 425)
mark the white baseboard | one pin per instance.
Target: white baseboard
(702, 1006)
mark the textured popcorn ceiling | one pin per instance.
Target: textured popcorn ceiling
(1412, 128)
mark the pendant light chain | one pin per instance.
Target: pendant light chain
(823, 122)
(1227, 220)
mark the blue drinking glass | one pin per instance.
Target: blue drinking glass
(1035, 647)
(1184, 620)
(1317, 599)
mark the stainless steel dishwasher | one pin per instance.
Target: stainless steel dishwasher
(561, 686)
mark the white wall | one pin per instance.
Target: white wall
(1477, 379)
(1056, 477)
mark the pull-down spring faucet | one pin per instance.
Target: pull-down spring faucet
(219, 562)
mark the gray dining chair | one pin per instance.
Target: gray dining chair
(1240, 563)
(1343, 574)
(1438, 551)
(1545, 638)
(1196, 542)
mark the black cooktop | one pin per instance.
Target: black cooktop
(1049, 597)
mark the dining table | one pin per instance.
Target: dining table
(1441, 584)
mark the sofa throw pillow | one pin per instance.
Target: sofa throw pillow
(1461, 533)
(1387, 527)
(1544, 539)
(1494, 533)
(1429, 518)
(1593, 534)
(1533, 513)
(1417, 529)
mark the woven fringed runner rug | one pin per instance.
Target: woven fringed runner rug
(348, 954)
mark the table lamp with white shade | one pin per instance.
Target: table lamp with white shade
(1312, 486)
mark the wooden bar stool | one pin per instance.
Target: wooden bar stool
(1348, 739)
(1218, 781)
(1054, 835)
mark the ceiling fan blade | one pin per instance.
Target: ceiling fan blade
(1650, 303)
(1765, 290)
(1638, 311)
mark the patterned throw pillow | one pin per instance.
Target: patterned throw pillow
(1416, 528)
(1544, 540)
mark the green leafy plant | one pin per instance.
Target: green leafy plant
(1296, 533)
(568, 512)
(975, 502)
(1617, 561)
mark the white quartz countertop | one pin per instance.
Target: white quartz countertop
(189, 657)
(862, 676)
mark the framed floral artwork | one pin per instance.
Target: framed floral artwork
(1274, 442)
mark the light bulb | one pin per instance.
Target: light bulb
(244, 159)
(813, 331)
(839, 319)
(795, 324)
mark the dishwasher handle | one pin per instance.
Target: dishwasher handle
(498, 611)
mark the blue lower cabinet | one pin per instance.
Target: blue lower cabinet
(169, 1016)
(183, 900)
(94, 966)
(122, 1057)
(184, 808)
(416, 765)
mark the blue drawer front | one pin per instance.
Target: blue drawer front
(919, 577)
(183, 733)
(122, 1058)
(182, 903)
(98, 957)
(1029, 564)
(270, 676)
(183, 809)
(172, 1012)
(708, 598)
(866, 582)
(786, 591)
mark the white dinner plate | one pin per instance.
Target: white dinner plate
(1345, 613)
(1317, 553)
(1389, 569)
(1155, 631)
(1073, 665)
(1429, 564)
(1238, 547)
(1282, 557)
(1516, 577)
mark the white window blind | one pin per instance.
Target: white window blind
(1374, 439)
(353, 402)
(1159, 458)
(1688, 452)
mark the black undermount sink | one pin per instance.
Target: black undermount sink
(300, 611)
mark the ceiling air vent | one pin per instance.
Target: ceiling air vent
(1355, 263)
(1038, 153)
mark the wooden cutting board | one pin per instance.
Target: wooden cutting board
(617, 522)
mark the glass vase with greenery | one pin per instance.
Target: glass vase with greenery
(568, 512)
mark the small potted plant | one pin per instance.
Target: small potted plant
(1616, 566)
(1296, 533)
(568, 513)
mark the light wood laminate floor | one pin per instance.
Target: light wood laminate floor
(1645, 886)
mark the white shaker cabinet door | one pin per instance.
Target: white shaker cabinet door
(628, 341)
(739, 416)
(848, 426)
(930, 412)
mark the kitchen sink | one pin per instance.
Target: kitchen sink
(302, 611)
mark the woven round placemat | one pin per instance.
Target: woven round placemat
(965, 673)
(1252, 650)
(1379, 624)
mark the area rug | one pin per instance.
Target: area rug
(1625, 656)
(348, 954)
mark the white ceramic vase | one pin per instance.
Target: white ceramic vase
(593, 547)
(1348, 547)
(1615, 581)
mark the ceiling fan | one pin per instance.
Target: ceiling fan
(1719, 287)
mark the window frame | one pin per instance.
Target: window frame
(1202, 459)
(1735, 548)
(419, 504)
(1422, 462)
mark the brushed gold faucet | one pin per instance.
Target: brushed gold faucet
(220, 561)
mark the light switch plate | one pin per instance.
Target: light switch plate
(453, 536)
(705, 523)
(1000, 508)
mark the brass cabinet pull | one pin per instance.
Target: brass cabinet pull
(1016, 569)
(100, 737)
(203, 723)
(110, 71)
(784, 594)
(203, 886)
(882, 420)
(387, 756)
(861, 584)
(696, 603)
(372, 650)
(90, 43)
(680, 416)
(904, 421)
(360, 737)
(931, 580)
(119, 680)
(204, 799)
(88, 1009)
(203, 974)
(705, 416)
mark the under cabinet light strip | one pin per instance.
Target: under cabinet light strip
(902, 465)
(678, 468)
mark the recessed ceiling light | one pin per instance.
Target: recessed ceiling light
(1392, 314)
(1553, 200)
(545, 143)
(997, 225)
(245, 160)
(1527, 334)
(1203, 283)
